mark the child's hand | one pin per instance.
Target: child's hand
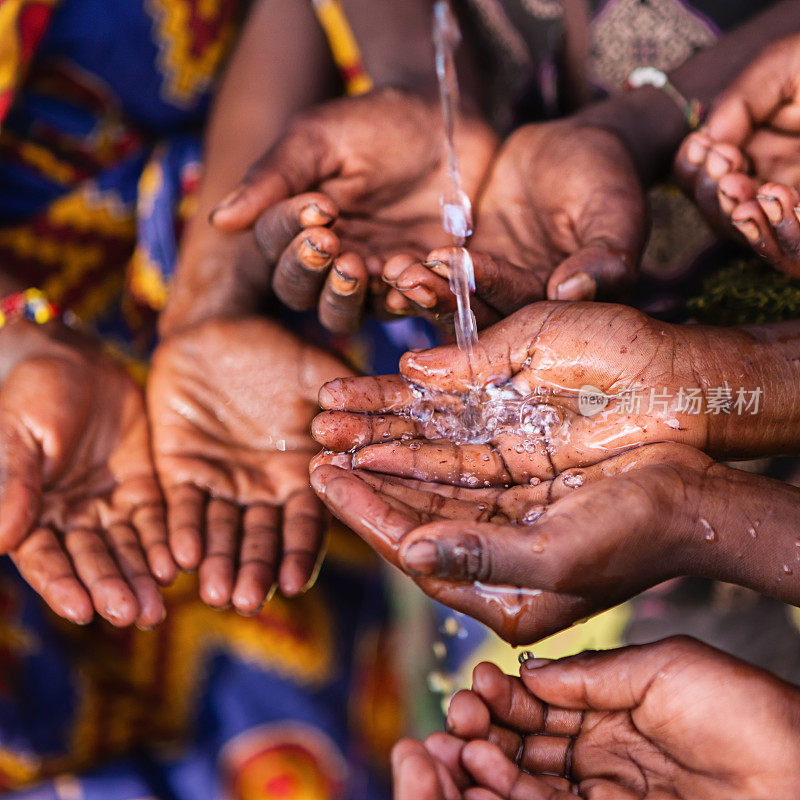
(562, 216)
(720, 390)
(230, 405)
(352, 183)
(528, 561)
(667, 720)
(743, 168)
(82, 514)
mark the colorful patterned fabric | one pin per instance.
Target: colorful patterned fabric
(99, 160)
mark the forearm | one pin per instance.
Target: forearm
(281, 66)
(652, 125)
(751, 387)
(745, 531)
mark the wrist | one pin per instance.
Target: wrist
(648, 122)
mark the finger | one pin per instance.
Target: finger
(500, 286)
(281, 223)
(216, 574)
(303, 267)
(441, 461)
(721, 160)
(128, 554)
(446, 750)
(150, 522)
(733, 190)
(100, 574)
(591, 273)
(468, 717)
(611, 680)
(383, 393)
(258, 557)
(341, 303)
(512, 705)
(343, 431)
(330, 458)
(778, 202)
(490, 768)
(414, 773)
(303, 534)
(751, 221)
(43, 563)
(690, 159)
(290, 167)
(186, 506)
(380, 523)
(20, 488)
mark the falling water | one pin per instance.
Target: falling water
(455, 205)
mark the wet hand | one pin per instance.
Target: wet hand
(83, 517)
(561, 216)
(534, 418)
(531, 559)
(743, 167)
(230, 404)
(352, 183)
(666, 720)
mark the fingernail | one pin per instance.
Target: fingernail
(313, 215)
(717, 165)
(423, 558)
(535, 663)
(226, 201)
(343, 284)
(696, 152)
(580, 286)
(771, 207)
(726, 202)
(797, 213)
(439, 268)
(423, 297)
(327, 394)
(749, 230)
(312, 255)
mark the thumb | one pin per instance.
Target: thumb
(290, 167)
(755, 96)
(465, 552)
(595, 270)
(20, 488)
(611, 680)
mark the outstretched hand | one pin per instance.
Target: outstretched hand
(530, 560)
(561, 216)
(230, 404)
(667, 720)
(82, 513)
(352, 183)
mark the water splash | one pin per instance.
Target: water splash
(455, 205)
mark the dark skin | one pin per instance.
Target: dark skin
(561, 215)
(377, 185)
(231, 403)
(528, 561)
(83, 515)
(547, 352)
(742, 168)
(673, 719)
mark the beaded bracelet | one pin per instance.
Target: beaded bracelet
(30, 304)
(692, 110)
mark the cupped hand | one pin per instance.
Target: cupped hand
(352, 183)
(83, 516)
(667, 720)
(743, 167)
(230, 405)
(561, 216)
(553, 387)
(530, 560)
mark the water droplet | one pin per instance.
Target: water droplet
(787, 569)
(525, 655)
(532, 514)
(709, 533)
(534, 481)
(472, 480)
(573, 479)
(414, 446)
(518, 448)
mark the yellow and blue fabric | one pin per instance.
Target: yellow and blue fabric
(101, 109)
